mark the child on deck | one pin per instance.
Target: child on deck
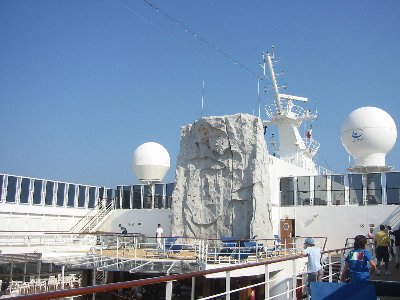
(358, 262)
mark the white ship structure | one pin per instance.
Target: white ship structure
(229, 188)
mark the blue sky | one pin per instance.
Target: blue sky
(84, 83)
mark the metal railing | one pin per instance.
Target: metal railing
(94, 216)
(290, 280)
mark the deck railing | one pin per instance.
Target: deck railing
(290, 280)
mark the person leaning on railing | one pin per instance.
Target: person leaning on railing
(358, 262)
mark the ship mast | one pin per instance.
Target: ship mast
(288, 117)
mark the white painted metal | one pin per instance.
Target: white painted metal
(168, 290)
(368, 134)
(150, 162)
(228, 285)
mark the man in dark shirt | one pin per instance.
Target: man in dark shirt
(396, 235)
(123, 229)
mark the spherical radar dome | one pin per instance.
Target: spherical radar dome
(368, 134)
(150, 162)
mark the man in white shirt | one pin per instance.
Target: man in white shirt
(315, 271)
(159, 233)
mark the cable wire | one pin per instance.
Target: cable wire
(202, 39)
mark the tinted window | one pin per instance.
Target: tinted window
(60, 194)
(101, 193)
(110, 193)
(119, 197)
(92, 197)
(1, 186)
(393, 180)
(303, 198)
(303, 184)
(137, 196)
(11, 189)
(158, 197)
(25, 187)
(126, 197)
(393, 196)
(338, 182)
(147, 196)
(374, 181)
(356, 197)
(169, 189)
(287, 184)
(48, 200)
(287, 198)
(37, 192)
(320, 183)
(320, 198)
(374, 189)
(355, 182)
(355, 189)
(71, 195)
(82, 196)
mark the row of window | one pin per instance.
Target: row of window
(24, 190)
(352, 189)
(145, 196)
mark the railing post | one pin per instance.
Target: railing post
(193, 288)
(168, 291)
(228, 285)
(330, 266)
(94, 282)
(294, 279)
(62, 277)
(266, 284)
(117, 245)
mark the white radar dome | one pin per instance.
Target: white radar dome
(150, 162)
(368, 134)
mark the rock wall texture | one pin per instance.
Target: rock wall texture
(222, 179)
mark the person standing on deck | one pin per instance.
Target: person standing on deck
(159, 233)
(396, 235)
(314, 267)
(382, 242)
(358, 262)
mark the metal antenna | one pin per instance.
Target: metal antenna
(258, 96)
(202, 99)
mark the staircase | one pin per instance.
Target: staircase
(94, 218)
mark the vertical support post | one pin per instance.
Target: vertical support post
(192, 294)
(228, 285)
(94, 282)
(168, 291)
(294, 279)
(62, 276)
(330, 266)
(152, 190)
(266, 284)
(117, 245)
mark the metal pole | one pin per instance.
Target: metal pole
(62, 276)
(117, 245)
(193, 288)
(294, 279)
(228, 285)
(266, 285)
(94, 283)
(168, 291)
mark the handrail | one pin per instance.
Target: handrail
(87, 214)
(89, 217)
(161, 279)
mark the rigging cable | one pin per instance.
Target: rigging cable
(132, 11)
(202, 39)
